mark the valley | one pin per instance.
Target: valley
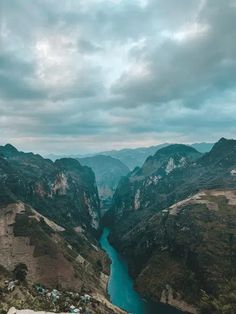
(170, 246)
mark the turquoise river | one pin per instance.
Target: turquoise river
(120, 286)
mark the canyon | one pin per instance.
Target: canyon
(172, 221)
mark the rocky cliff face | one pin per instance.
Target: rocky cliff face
(181, 247)
(141, 188)
(64, 191)
(49, 219)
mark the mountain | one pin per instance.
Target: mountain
(162, 182)
(174, 221)
(108, 172)
(134, 157)
(49, 220)
(131, 157)
(63, 190)
(144, 186)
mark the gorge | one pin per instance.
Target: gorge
(120, 286)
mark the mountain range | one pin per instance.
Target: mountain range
(110, 166)
(134, 157)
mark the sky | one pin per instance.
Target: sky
(82, 76)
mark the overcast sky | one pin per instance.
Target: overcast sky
(78, 76)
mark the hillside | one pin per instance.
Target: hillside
(47, 249)
(186, 254)
(49, 219)
(41, 256)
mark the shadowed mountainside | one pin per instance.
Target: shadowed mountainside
(168, 246)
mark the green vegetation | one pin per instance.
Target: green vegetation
(193, 252)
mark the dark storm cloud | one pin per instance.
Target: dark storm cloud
(191, 67)
(15, 79)
(103, 74)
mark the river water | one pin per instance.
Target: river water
(120, 286)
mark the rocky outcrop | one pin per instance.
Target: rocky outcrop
(102, 305)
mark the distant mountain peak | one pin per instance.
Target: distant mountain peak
(224, 149)
(11, 148)
(8, 150)
(179, 148)
(223, 146)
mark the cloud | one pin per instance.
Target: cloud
(17, 79)
(97, 74)
(191, 64)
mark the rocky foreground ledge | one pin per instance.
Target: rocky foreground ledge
(13, 310)
(106, 307)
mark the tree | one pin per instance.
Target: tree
(20, 272)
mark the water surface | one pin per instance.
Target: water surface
(120, 286)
